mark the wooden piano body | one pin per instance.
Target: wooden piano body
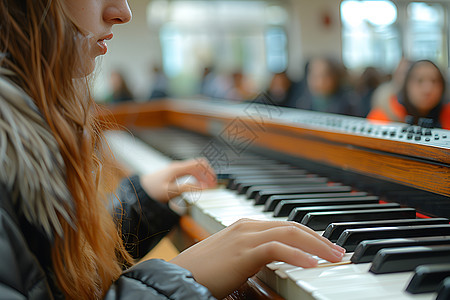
(378, 157)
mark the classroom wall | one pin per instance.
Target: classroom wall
(314, 29)
(134, 49)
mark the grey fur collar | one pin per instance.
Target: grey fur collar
(31, 165)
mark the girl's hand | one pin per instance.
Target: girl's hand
(163, 185)
(224, 261)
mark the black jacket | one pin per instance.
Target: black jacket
(25, 266)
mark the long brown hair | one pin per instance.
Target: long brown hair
(45, 52)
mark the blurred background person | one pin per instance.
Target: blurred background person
(160, 84)
(382, 95)
(279, 89)
(365, 86)
(298, 87)
(325, 89)
(241, 88)
(120, 91)
(213, 84)
(422, 96)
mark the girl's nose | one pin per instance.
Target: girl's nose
(118, 13)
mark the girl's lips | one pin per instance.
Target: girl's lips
(102, 43)
(103, 47)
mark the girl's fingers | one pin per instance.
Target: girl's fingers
(257, 226)
(199, 168)
(276, 251)
(300, 239)
(241, 249)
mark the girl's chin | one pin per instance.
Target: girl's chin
(87, 68)
(91, 66)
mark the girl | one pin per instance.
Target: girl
(325, 89)
(58, 236)
(422, 96)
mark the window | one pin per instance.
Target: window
(425, 36)
(373, 35)
(243, 36)
(276, 45)
(369, 34)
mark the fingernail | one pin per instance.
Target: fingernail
(339, 248)
(338, 253)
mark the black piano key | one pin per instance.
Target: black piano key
(350, 238)
(227, 172)
(251, 161)
(272, 174)
(320, 220)
(273, 201)
(297, 213)
(427, 278)
(246, 169)
(262, 195)
(235, 180)
(244, 186)
(253, 191)
(246, 173)
(285, 207)
(334, 230)
(444, 290)
(246, 162)
(405, 259)
(366, 250)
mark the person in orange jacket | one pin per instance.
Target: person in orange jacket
(422, 96)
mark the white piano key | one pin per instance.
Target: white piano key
(358, 281)
(286, 286)
(283, 268)
(267, 275)
(347, 282)
(384, 290)
(209, 223)
(231, 211)
(323, 272)
(226, 203)
(144, 160)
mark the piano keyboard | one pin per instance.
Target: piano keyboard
(285, 192)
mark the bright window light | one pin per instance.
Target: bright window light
(369, 35)
(380, 13)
